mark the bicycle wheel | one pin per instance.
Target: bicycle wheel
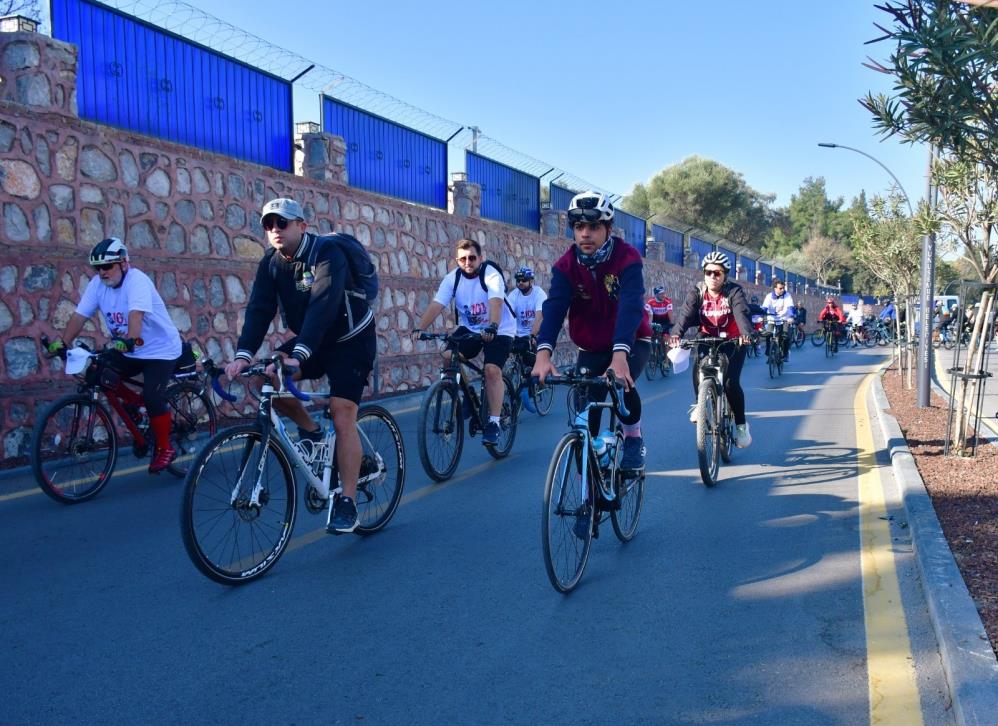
(869, 340)
(543, 398)
(440, 435)
(567, 518)
(630, 493)
(727, 431)
(507, 421)
(74, 447)
(513, 372)
(818, 337)
(779, 363)
(799, 338)
(228, 537)
(949, 342)
(829, 343)
(771, 363)
(653, 367)
(576, 402)
(382, 469)
(193, 421)
(707, 430)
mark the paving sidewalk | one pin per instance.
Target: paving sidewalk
(989, 411)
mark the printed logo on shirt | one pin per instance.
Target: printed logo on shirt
(117, 323)
(304, 283)
(716, 313)
(476, 314)
(612, 284)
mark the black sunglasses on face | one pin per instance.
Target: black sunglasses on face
(275, 220)
(713, 273)
(106, 266)
(584, 215)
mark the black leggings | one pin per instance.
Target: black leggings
(733, 384)
(597, 363)
(156, 374)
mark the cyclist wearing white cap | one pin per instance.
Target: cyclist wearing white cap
(313, 282)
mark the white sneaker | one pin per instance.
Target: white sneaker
(742, 436)
(693, 413)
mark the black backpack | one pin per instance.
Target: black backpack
(482, 269)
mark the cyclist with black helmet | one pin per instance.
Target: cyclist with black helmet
(598, 285)
(527, 304)
(659, 307)
(141, 331)
(716, 307)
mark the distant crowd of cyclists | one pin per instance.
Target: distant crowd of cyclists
(321, 286)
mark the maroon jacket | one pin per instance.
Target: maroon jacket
(605, 306)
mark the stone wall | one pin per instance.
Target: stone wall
(191, 221)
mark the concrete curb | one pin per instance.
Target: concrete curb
(968, 660)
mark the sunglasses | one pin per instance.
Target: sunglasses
(274, 220)
(468, 258)
(713, 273)
(106, 266)
(584, 215)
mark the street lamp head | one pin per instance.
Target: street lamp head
(828, 145)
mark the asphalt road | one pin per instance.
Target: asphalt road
(744, 603)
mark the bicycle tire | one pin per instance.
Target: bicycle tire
(543, 398)
(440, 433)
(383, 451)
(949, 342)
(828, 347)
(212, 524)
(727, 431)
(69, 467)
(771, 363)
(575, 402)
(818, 338)
(630, 495)
(507, 421)
(193, 419)
(567, 500)
(868, 340)
(707, 445)
(652, 367)
(800, 338)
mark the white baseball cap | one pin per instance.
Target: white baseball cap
(283, 207)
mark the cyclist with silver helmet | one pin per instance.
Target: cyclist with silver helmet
(141, 331)
(598, 284)
(716, 307)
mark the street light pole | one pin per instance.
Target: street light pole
(875, 161)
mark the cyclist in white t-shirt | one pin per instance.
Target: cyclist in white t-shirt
(141, 331)
(478, 292)
(527, 303)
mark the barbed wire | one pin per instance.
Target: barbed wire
(185, 20)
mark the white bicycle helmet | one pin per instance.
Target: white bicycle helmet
(590, 207)
(108, 251)
(716, 258)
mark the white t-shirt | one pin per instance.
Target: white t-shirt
(855, 316)
(160, 339)
(473, 301)
(526, 308)
(779, 307)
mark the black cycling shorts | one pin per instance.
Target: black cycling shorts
(347, 365)
(496, 351)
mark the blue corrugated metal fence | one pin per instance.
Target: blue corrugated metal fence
(671, 241)
(388, 158)
(139, 77)
(633, 229)
(508, 195)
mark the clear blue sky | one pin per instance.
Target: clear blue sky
(614, 92)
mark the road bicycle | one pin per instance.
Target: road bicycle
(831, 338)
(517, 370)
(440, 434)
(585, 483)
(240, 497)
(658, 361)
(715, 419)
(774, 350)
(75, 442)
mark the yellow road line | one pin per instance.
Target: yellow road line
(893, 690)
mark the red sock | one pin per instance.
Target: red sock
(160, 426)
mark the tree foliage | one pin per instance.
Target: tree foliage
(943, 66)
(887, 245)
(825, 258)
(967, 213)
(708, 195)
(28, 8)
